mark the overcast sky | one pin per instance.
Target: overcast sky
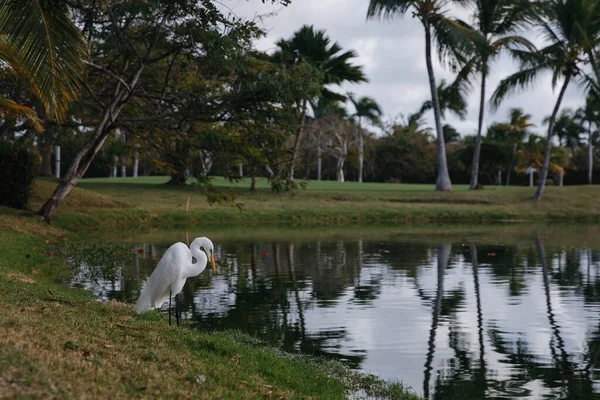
(392, 54)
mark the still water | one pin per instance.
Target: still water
(450, 319)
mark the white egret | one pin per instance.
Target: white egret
(169, 276)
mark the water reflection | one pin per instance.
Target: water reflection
(452, 320)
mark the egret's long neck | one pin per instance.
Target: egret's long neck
(201, 260)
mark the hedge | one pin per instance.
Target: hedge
(18, 168)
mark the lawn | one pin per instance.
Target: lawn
(148, 200)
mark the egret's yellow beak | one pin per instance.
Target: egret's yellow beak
(212, 262)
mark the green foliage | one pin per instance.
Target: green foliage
(19, 167)
(406, 155)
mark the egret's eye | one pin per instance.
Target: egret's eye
(194, 260)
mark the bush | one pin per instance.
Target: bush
(19, 167)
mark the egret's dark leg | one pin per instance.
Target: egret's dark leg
(169, 308)
(177, 308)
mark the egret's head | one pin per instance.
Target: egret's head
(207, 246)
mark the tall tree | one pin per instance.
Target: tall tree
(315, 47)
(567, 26)
(513, 132)
(137, 47)
(567, 129)
(366, 108)
(452, 98)
(496, 22)
(590, 114)
(452, 39)
(43, 47)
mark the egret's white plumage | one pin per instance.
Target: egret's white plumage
(172, 270)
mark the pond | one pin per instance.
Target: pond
(470, 316)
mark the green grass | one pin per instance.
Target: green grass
(57, 341)
(148, 202)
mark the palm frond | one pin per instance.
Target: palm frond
(456, 41)
(388, 8)
(11, 110)
(516, 81)
(51, 50)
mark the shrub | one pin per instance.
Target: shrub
(18, 167)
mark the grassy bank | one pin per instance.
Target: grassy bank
(148, 202)
(57, 341)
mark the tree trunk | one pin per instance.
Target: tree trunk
(319, 160)
(136, 163)
(530, 177)
(80, 164)
(178, 177)
(360, 150)
(241, 170)
(512, 164)
(123, 167)
(114, 168)
(46, 166)
(340, 169)
(562, 175)
(477, 150)
(253, 184)
(544, 172)
(590, 153)
(499, 177)
(298, 139)
(57, 161)
(443, 178)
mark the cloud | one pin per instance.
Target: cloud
(393, 56)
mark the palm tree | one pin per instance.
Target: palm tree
(43, 47)
(314, 47)
(451, 97)
(496, 22)
(453, 40)
(366, 108)
(567, 26)
(513, 132)
(567, 129)
(590, 114)
(531, 156)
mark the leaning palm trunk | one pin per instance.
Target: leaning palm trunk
(477, 151)
(544, 172)
(443, 178)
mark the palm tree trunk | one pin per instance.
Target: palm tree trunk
(57, 161)
(46, 166)
(477, 151)
(590, 153)
(298, 139)
(562, 176)
(530, 176)
(136, 163)
(114, 166)
(512, 164)
(319, 160)
(544, 172)
(360, 150)
(443, 178)
(123, 167)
